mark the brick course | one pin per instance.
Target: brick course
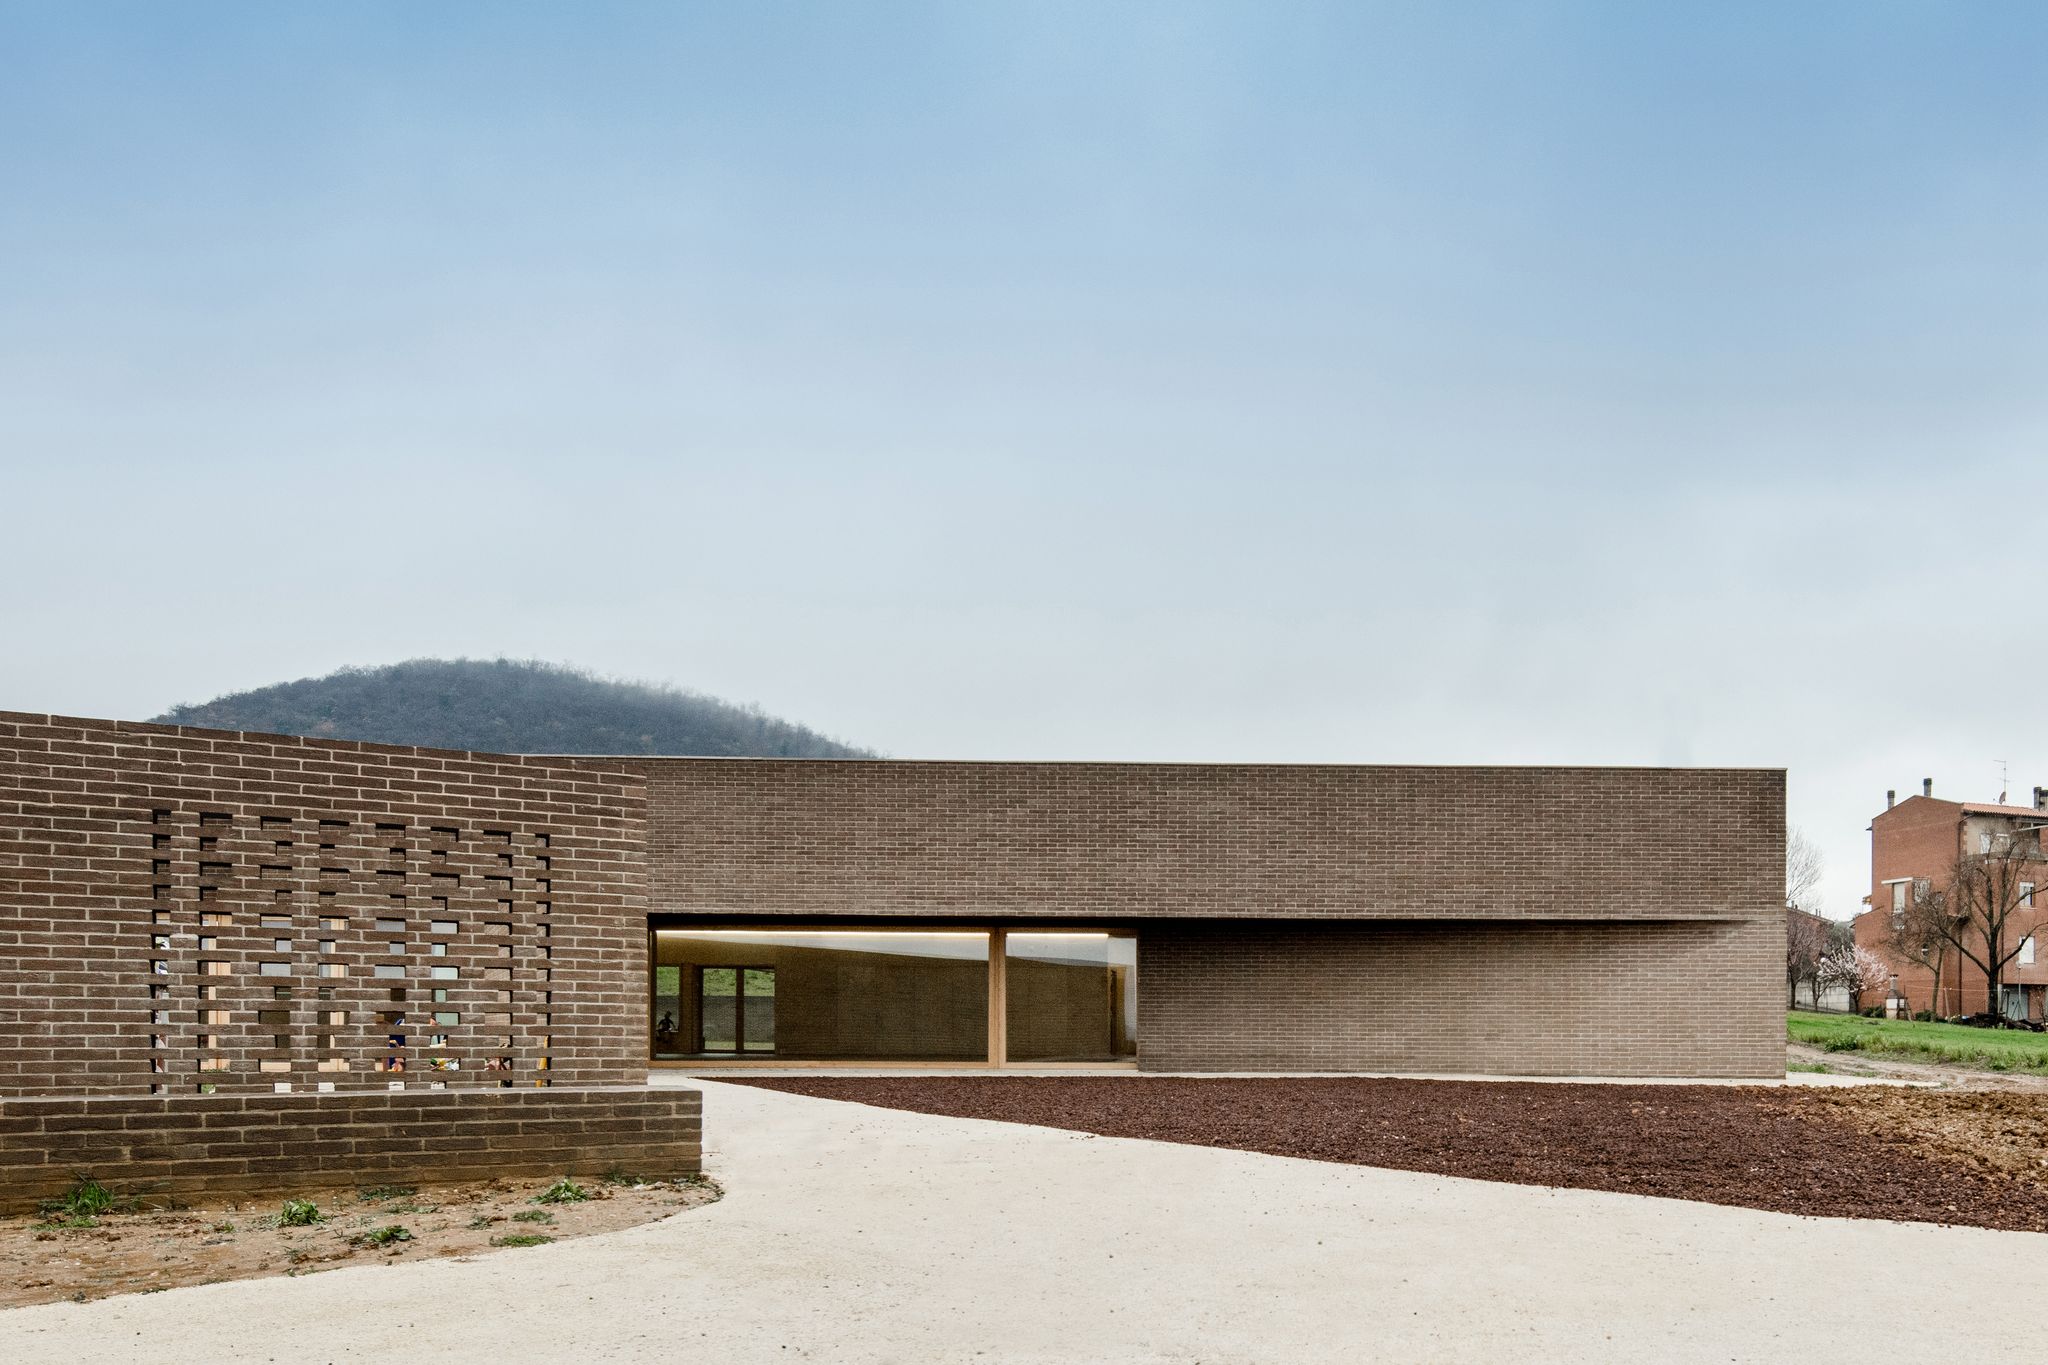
(193, 1144)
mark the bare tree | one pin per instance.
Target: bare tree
(1919, 936)
(1803, 869)
(1806, 942)
(1982, 900)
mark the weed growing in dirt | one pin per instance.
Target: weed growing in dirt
(300, 1213)
(533, 1216)
(563, 1191)
(521, 1239)
(87, 1198)
(81, 1205)
(377, 1192)
(1818, 1068)
(619, 1175)
(223, 1227)
(482, 1220)
(384, 1237)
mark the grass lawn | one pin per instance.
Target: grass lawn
(1989, 1049)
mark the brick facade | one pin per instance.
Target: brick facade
(185, 910)
(188, 910)
(1560, 999)
(1136, 840)
(193, 1144)
(1920, 839)
(1521, 920)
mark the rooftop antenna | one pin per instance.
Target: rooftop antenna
(2001, 781)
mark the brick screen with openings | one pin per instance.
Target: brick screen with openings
(191, 911)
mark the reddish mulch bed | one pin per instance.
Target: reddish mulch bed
(1791, 1151)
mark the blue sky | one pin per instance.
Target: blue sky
(1567, 382)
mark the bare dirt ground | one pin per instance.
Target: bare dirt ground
(1944, 1074)
(1966, 1157)
(42, 1261)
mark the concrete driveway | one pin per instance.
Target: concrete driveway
(857, 1234)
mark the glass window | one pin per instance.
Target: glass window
(668, 1010)
(1070, 997)
(822, 995)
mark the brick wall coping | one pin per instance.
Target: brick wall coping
(354, 1099)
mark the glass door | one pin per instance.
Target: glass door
(757, 1009)
(736, 1009)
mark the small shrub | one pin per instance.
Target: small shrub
(300, 1213)
(384, 1237)
(533, 1216)
(563, 1191)
(521, 1239)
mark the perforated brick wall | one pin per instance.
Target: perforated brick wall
(191, 911)
(288, 1144)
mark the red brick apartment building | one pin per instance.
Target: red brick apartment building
(1914, 845)
(201, 912)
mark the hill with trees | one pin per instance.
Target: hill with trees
(509, 706)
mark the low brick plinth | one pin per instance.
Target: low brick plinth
(196, 1144)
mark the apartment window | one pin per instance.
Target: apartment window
(1898, 905)
(2027, 894)
(1984, 843)
(2027, 951)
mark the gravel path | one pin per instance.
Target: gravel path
(1853, 1154)
(855, 1234)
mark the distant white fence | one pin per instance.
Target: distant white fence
(1831, 1000)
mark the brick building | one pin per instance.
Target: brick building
(186, 911)
(1914, 845)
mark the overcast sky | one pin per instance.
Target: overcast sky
(1625, 383)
